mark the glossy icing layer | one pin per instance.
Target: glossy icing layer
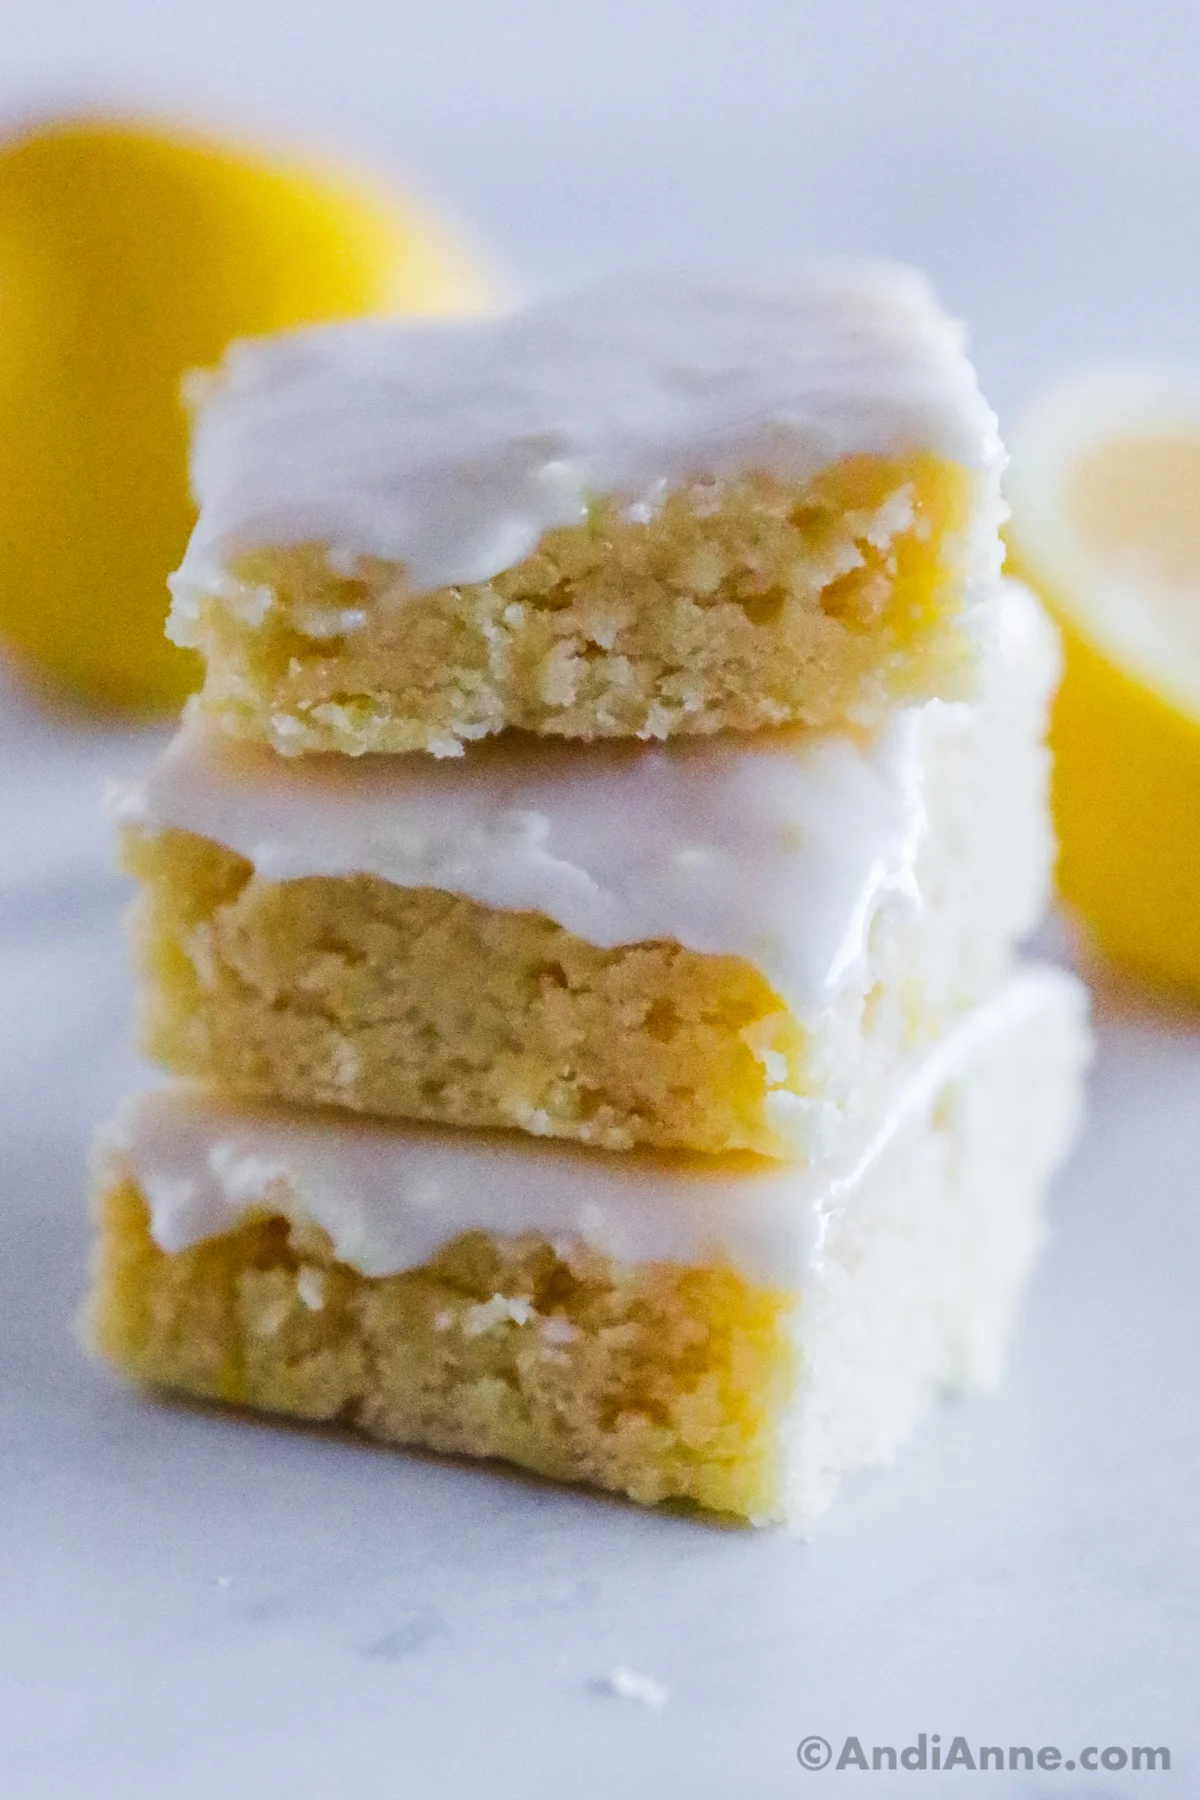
(451, 447)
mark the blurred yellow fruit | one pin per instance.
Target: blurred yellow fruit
(1105, 494)
(127, 256)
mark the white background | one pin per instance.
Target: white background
(194, 1605)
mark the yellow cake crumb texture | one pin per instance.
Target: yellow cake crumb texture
(415, 1003)
(736, 605)
(658, 1382)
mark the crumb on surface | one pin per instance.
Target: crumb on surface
(627, 1684)
(501, 1309)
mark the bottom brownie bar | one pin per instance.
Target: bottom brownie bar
(724, 1331)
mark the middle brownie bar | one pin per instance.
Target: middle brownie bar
(723, 945)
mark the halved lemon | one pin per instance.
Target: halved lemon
(1104, 487)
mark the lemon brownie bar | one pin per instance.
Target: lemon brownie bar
(717, 945)
(662, 506)
(723, 1331)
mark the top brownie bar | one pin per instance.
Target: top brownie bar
(663, 506)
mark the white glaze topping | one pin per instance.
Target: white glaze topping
(390, 1196)
(776, 847)
(451, 447)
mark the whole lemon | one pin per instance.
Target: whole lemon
(129, 255)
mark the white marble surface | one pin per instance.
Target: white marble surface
(193, 1605)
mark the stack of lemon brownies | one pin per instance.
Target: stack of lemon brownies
(580, 911)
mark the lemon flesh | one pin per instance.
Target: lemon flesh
(128, 256)
(1105, 494)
